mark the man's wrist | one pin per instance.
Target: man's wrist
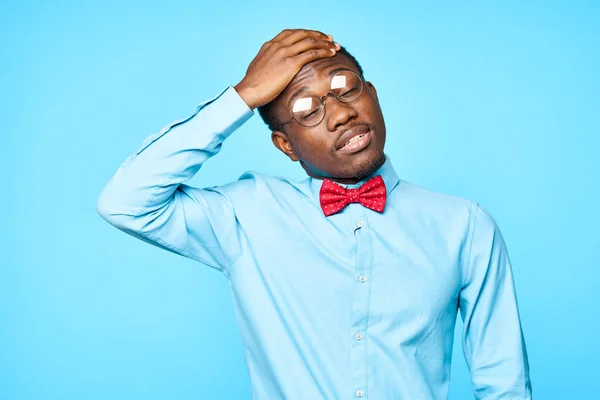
(227, 112)
(246, 94)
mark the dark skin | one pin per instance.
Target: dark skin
(316, 147)
(310, 56)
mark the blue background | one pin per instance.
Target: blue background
(498, 103)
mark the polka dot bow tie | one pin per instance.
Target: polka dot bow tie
(334, 198)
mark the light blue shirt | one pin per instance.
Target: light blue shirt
(358, 305)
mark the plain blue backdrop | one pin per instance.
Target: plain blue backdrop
(498, 103)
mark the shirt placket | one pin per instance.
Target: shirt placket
(360, 301)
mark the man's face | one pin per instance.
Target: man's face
(319, 148)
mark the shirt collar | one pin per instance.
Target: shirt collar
(386, 171)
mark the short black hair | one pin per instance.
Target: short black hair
(265, 111)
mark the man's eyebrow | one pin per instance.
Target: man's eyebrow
(335, 71)
(296, 94)
(305, 88)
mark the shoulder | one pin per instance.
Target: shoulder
(255, 185)
(442, 206)
(455, 212)
(426, 200)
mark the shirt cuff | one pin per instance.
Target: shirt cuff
(229, 112)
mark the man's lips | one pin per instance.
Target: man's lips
(357, 144)
(348, 134)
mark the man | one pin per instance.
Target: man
(346, 285)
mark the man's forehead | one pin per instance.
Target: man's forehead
(317, 70)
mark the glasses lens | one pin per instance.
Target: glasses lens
(346, 86)
(308, 111)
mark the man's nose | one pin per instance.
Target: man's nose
(338, 113)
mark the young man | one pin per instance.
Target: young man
(346, 285)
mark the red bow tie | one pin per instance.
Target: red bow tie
(370, 194)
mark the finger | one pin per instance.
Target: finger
(307, 44)
(300, 34)
(283, 34)
(312, 55)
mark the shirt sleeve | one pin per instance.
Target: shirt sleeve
(147, 196)
(493, 342)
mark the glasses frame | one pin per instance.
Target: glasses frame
(322, 98)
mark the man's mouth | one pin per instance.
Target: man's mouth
(356, 138)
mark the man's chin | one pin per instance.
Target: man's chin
(362, 164)
(357, 167)
(369, 165)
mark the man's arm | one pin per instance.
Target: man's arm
(493, 342)
(147, 197)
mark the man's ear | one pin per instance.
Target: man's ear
(370, 85)
(281, 141)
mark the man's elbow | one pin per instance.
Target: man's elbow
(111, 213)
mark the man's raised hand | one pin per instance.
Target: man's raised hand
(279, 60)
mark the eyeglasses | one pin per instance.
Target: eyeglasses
(346, 86)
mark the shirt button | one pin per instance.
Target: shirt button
(360, 393)
(362, 279)
(360, 224)
(358, 336)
